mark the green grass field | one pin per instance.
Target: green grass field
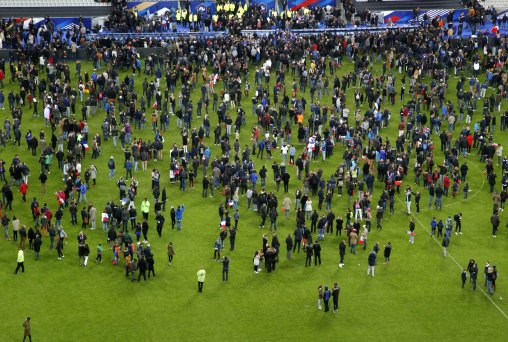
(418, 296)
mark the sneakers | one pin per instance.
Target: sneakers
(460, 233)
(59, 258)
(341, 265)
(456, 233)
(320, 308)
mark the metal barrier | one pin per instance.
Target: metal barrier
(155, 35)
(213, 34)
(342, 31)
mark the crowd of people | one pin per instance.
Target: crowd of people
(200, 81)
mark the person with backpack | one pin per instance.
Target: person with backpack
(111, 167)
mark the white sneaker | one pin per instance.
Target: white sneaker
(456, 233)
(460, 233)
(319, 308)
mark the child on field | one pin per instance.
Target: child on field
(99, 253)
(466, 190)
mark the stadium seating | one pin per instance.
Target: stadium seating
(52, 3)
(498, 4)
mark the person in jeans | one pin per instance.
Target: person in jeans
(372, 262)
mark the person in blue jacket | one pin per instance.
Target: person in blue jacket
(372, 262)
(179, 216)
(326, 298)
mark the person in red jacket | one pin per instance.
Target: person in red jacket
(446, 184)
(2, 76)
(23, 187)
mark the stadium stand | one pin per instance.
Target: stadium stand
(53, 3)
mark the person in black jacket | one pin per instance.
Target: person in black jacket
(160, 223)
(269, 258)
(317, 253)
(173, 217)
(342, 252)
(22, 236)
(31, 238)
(150, 262)
(298, 238)
(289, 246)
(142, 268)
(225, 268)
(37, 246)
(308, 253)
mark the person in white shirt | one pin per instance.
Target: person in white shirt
(284, 151)
(499, 153)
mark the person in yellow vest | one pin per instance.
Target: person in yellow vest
(178, 16)
(232, 7)
(219, 7)
(226, 7)
(245, 7)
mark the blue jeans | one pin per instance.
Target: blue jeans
(274, 224)
(439, 202)
(353, 248)
(179, 224)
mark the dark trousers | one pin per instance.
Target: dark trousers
(225, 275)
(200, 286)
(142, 273)
(316, 257)
(297, 242)
(335, 304)
(20, 265)
(327, 307)
(341, 258)
(308, 261)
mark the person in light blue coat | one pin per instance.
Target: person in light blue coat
(179, 216)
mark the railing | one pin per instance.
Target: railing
(343, 31)
(201, 34)
(168, 34)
